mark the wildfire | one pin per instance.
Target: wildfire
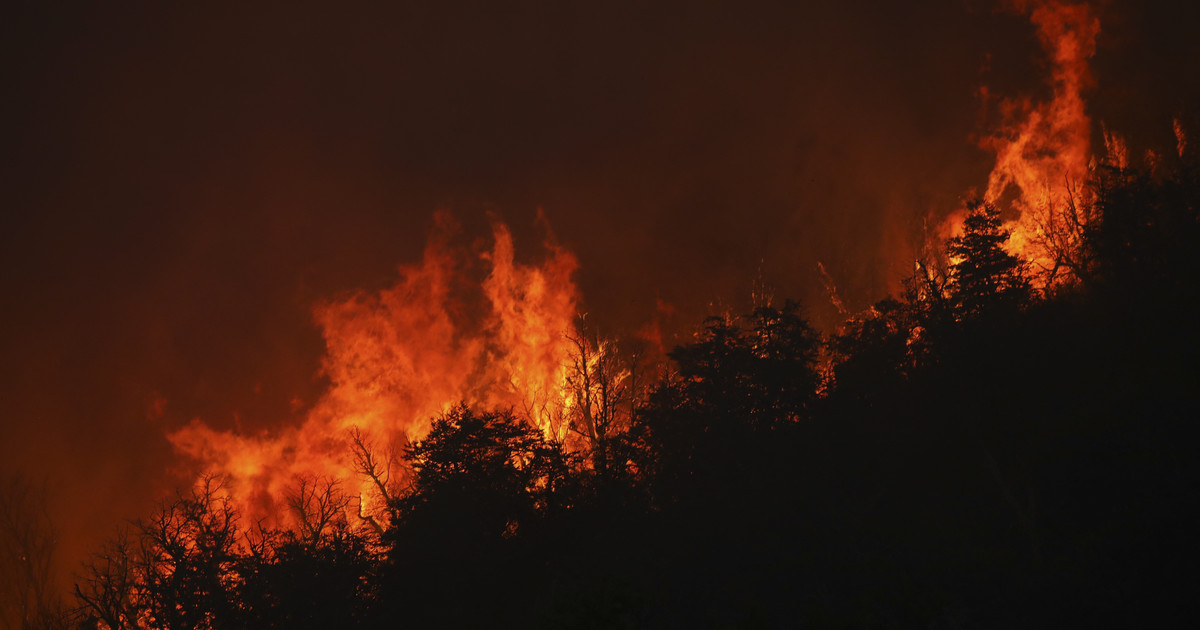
(483, 329)
(1043, 149)
(487, 330)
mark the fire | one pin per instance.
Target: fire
(483, 329)
(1180, 137)
(1043, 149)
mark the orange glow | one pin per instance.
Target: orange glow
(444, 333)
(1043, 149)
(1180, 137)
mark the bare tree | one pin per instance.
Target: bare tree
(603, 388)
(188, 549)
(317, 505)
(382, 471)
(108, 594)
(28, 595)
(1060, 232)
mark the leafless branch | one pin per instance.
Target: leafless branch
(317, 504)
(28, 543)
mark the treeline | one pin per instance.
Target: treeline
(974, 453)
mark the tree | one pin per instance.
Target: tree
(604, 389)
(743, 380)
(785, 350)
(293, 580)
(188, 557)
(28, 596)
(1148, 229)
(484, 471)
(983, 276)
(1062, 229)
(756, 371)
(383, 471)
(191, 565)
(484, 483)
(109, 594)
(873, 351)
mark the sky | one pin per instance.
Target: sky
(182, 182)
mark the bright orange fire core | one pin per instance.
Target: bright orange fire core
(1043, 149)
(399, 356)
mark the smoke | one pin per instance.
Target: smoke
(460, 326)
(186, 183)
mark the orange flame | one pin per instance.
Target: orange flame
(1044, 149)
(399, 356)
(1180, 137)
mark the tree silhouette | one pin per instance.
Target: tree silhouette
(756, 372)
(484, 471)
(110, 592)
(28, 542)
(1148, 229)
(604, 390)
(290, 580)
(739, 383)
(873, 351)
(188, 554)
(984, 277)
(983, 459)
(484, 483)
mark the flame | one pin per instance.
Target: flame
(1043, 149)
(397, 357)
(1180, 137)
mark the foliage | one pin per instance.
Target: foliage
(485, 471)
(972, 457)
(984, 278)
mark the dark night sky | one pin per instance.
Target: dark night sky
(180, 184)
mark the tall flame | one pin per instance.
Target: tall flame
(399, 356)
(1043, 149)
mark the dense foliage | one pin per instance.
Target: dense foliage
(971, 454)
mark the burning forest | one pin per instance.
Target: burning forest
(702, 317)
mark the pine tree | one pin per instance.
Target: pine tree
(983, 276)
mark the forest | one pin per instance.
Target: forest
(1001, 445)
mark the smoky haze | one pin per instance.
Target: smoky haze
(183, 184)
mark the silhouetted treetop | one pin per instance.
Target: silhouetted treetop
(760, 368)
(982, 459)
(488, 468)
(1149, 228)
(983, 276)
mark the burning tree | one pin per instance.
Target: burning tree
(604, 391)
(983, 276)
(484, 483)
(192, 565)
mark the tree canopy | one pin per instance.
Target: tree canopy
(967, 454)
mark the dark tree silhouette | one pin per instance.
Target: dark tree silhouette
(757, 372)
(487, 472)
(484, 485)
(982, 459)
(306, 581)
(1148, 229)
(873, 352)
(984, 277)
(188, 554)
(109, 594)
(28, 541)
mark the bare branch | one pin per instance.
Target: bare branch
(110, 584)
(28, 542)
(317, 505)
(383, 473)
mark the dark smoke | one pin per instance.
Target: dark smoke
(182, 184)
